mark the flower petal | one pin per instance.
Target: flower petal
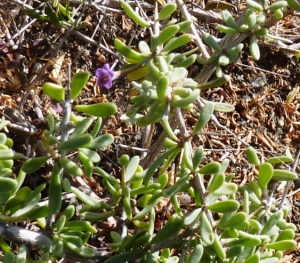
(106, 67)
(108, 84)
(105, 76)
(56, 106)
(98, 72)
(103, 82)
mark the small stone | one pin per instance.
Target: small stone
(184, 199)
(259, 80)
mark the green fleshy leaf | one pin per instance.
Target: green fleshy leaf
(66, 185)
(254, 48)
(37, 212)
(82, 251)
(282, 245)
(131, 168)
(280, 159)
(33, 164)
(133, 15)
(55, 191)
(124, 160)
(3, 138)
(234, 251)
(30, 202)
(150, 204)
(283, 175)
(265, 175)
(167, 33)
(151, 170)
(294, 4)
(223, 60)
(79, 80)
(86, 199)
(177, 42)
(54, 91)
(52, 15)
(144, 47)
(193, 216)
(70, 167)
(206, 230)
(205, 115)
(226, 189)
(87, 164)
(271, 222)
(216, 182)
(35, 13)
(72, 239)
(138, 73)
(167, 11)
(96, 128)
(252, 156)
(177, 74)
(197, 158)
(286, 234)
(171, 229)
(210, 168)
(196, 254)
(7, 184)
(236, 219)
(93, 156)
(6, 154)
(218, 247)
(75, 142)
(226, 206)
(95, 217)
(60, 222)
(82, 126)
(169, 192)
(104, 109)
(246, 242)
(101, 141)
(185, 25)
(106, 176)
(18, 199)
(223, 107)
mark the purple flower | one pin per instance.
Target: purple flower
(105, 76)
(56, 106)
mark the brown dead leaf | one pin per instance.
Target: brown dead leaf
(126, 25)
(54, 76)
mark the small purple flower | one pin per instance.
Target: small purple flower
(105, 76)
(56, 106)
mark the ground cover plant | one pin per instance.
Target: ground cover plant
(132, 131)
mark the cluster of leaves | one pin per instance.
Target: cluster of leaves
(52, 11)
(229, 223)
(244, 233)
(19, 204)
